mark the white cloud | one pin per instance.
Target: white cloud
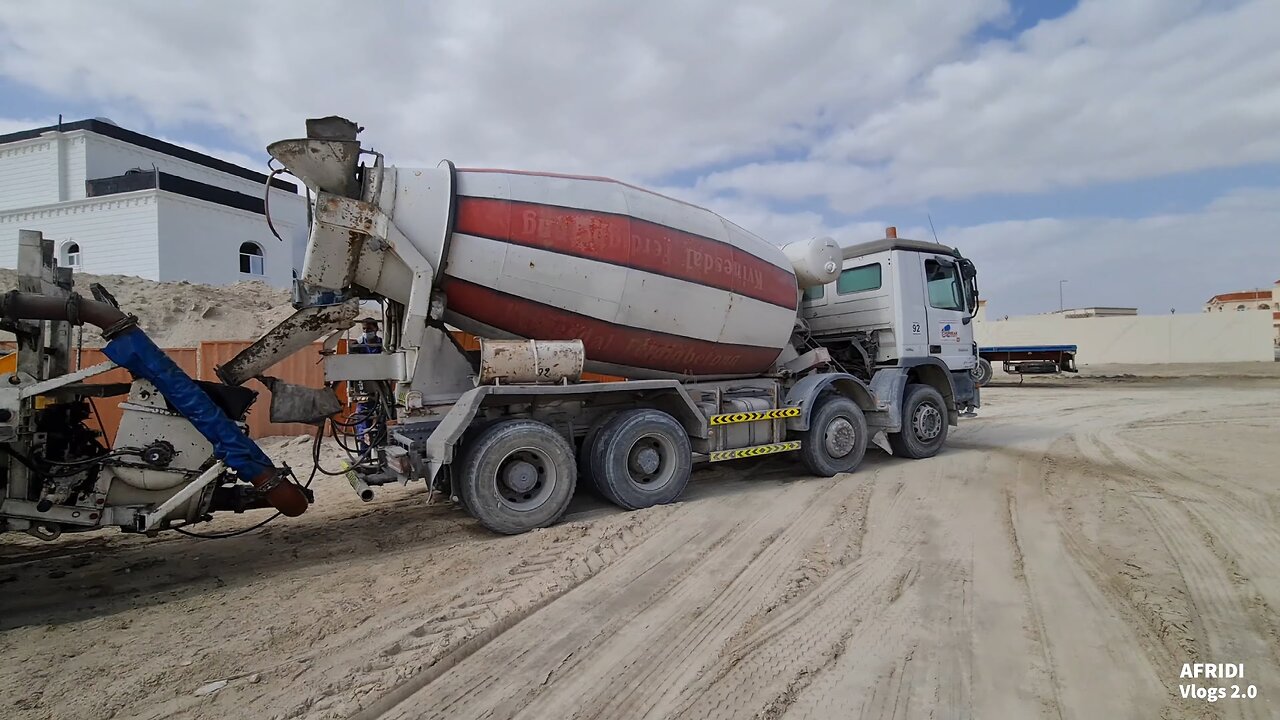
(632, 89)
(1156, 263)
(12, 125)
(874, 104)
(1111, 91)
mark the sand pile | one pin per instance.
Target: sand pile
(181, 314)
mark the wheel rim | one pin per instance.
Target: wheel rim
(651, 462)
(926, 421)
(525, 479)
(976, 372)
(840, 437)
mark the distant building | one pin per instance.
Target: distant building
(1096, 312)
(1268, 300)
(116, 201)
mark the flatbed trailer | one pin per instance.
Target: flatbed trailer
(1024, 360)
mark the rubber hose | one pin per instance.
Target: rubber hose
(130, 347)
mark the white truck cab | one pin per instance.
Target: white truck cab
(897, 301)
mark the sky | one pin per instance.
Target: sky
(1128, 147)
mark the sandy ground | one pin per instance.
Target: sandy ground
(181, 314)
(1073, 546)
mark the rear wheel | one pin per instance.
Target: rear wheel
(982, 372)
(836, 439)
(924, 423)
(585, 479)
(518, 475)
(641, 458)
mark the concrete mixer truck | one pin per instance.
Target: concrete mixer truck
(722, 346)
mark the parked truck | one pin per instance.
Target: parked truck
(1024, 360)
(731, 348)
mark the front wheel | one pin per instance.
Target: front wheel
(924, 423)
(518, 475)
(836, 439)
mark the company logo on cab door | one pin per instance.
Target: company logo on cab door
(949, 332)
(628, 242)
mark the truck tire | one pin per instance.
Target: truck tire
(641, 458)
(585, 480)
(924, 423)
(517, 475)
(982, 372)
(836, 439)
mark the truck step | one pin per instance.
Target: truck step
(754, 451)
(756, 416)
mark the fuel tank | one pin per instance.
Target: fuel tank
(652, 286)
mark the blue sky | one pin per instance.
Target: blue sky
(1126, 131)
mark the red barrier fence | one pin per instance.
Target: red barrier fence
(303, 368)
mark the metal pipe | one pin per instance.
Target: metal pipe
(74, 309)
(360, 486)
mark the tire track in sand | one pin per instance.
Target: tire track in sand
(675, 639)
(1094, 658)
(696, 549)
(1229, 631)
(778, 664)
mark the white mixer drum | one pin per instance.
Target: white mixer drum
(654, 287)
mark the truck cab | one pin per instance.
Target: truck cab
(899, 303)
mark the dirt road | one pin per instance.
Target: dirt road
(1069, 551)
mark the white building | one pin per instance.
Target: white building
(1266, 300)
(120, 202)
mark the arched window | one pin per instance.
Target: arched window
(1240, 307)
(251, 258)
(71, 255)
(1264, 306)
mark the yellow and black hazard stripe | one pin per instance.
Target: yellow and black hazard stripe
(756, 451)
(777, 414)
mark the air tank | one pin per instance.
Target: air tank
(816, 261)
(652, 286)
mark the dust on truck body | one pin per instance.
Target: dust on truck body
(732, 348)
(705, 319)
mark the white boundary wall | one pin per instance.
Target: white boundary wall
(1244, 336)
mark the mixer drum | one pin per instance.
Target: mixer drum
(653, 287)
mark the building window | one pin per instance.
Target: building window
(71, 255)
(1240, 307)
(1264, 306)
(859, 279)
(814, 293)
(251, 259)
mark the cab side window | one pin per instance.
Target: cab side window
(944, 286)
(859, 279)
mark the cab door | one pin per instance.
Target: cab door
(949, 329)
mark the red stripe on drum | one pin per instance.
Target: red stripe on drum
(628, 242)
(604, 341)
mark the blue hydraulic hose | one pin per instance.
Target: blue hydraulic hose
(136, 352)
